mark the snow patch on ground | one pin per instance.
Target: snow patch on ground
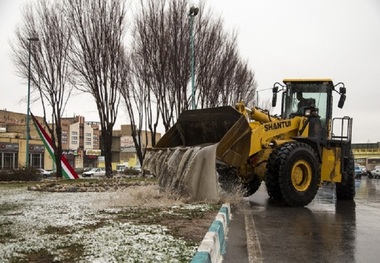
(79, 221)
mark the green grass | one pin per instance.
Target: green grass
(155, 215)
(5, 226)
(72, 252)
(40, 256)
(131, 181)
(58, 230)
(5, 207)
(11, 185)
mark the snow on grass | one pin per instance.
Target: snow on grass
(63, 224)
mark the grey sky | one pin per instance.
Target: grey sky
(337, 39)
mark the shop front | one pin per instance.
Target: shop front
(9, 155)
(90, 159)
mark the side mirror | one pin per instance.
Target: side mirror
(341, 101)
(274, 99)
(342, 90)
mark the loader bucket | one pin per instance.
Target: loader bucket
(223, 125)
(184, 158)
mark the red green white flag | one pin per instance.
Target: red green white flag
(68, 171)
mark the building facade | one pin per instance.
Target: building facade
(80, 143)
(123, 147)
(367, 154)
(13, 143)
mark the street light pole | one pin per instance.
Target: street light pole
(28, 106)
(193, 12)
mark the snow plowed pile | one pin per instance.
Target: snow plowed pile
(186, 171)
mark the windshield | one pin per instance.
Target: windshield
(305, 95)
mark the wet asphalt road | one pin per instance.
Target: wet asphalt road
(324, 231)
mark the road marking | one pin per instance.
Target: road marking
(253, 243)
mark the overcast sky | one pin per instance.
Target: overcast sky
(337, 39)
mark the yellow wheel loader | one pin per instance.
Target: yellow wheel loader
(212, 150)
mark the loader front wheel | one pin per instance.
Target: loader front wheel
(228, 178)
(251, 187)
(271, 177)
(299, 175)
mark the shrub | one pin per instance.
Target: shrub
(23, 174)
(131, 171)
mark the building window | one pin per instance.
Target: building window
(8, 161)
(37, 160)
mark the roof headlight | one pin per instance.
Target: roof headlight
(311, 112)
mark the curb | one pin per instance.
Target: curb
(213, 245)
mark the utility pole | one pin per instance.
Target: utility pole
(28, 106)
(193, 12)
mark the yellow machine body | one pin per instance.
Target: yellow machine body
(250, 140)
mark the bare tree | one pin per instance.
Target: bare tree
(97, 55)
(51, 72)
(222, 77)
(155, 54)
(135, 96)
(160, 47)
(148, 76)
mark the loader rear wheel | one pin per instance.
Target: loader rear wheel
(346, 189)
(299, 175)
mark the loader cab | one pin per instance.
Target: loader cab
(309, 97)
(306, 98)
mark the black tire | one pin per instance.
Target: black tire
(228, 178)
(230, 182)
(346, 189)
(251, 187)
(271, 176)
(299, 174)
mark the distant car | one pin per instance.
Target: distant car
(94, 172)
(120, 168)
(358, 172)
(85, 169)
(137, 168)
(376, 173)
(44, 173)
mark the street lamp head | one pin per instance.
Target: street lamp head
(33, 39)
(193, 11)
